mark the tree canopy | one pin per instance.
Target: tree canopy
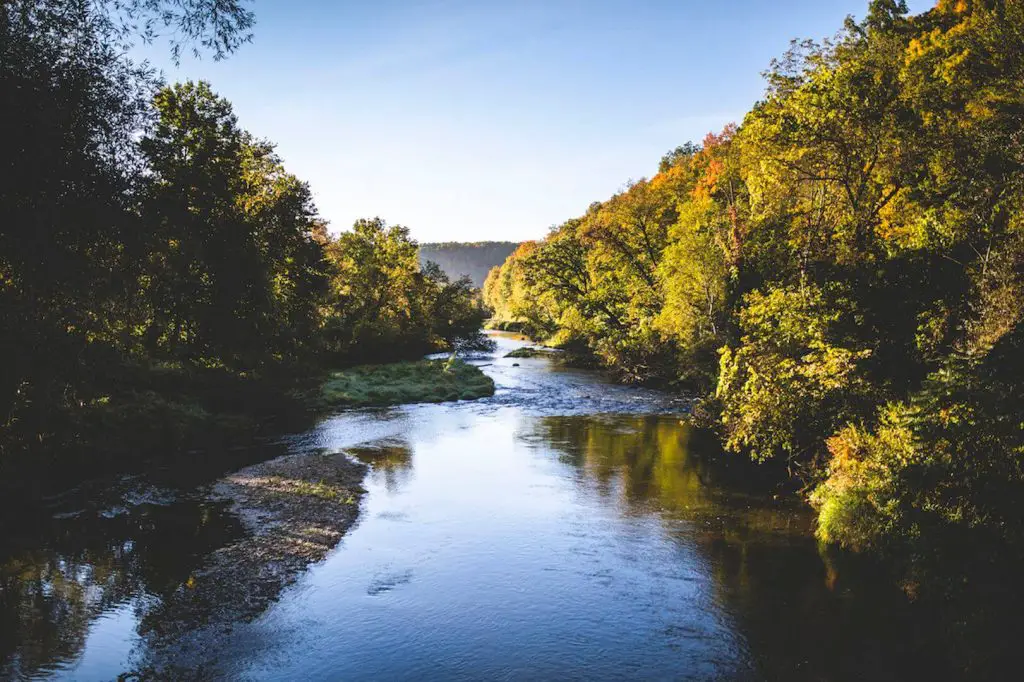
(158, 263)
(839, 275)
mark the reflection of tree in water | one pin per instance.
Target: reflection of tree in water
(811, 616)
(186, 571)
(67, 572)
(390, 462)
(805, 613)
(646, 458)
(652, 461)
(842, 616)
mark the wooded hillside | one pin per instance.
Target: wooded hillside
(474, 259)
(840, 275)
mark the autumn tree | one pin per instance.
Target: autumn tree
(839, 275)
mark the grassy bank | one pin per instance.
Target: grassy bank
(423, 381)
(172, 414)
(533, 352)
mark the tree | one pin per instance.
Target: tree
(840, 275)
(234, 273)
(677, 155)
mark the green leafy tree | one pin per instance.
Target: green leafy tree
(794, 375)
(235, 272)
(70, 246)
(383, 306)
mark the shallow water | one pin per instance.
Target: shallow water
(567, 528)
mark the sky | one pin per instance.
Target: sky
(470, 120)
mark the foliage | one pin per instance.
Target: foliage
(790, 377)
(155, 257)
(382, 305)
(946, 462)
(839, 275)
(233, 274)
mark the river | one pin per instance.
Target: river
(566, 528)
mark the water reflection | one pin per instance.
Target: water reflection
(649, 459)
(390, 462)
(805, 613)
(57, 576)
(499, 539)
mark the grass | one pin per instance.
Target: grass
(423, 381)
(531, 352)
(320, 489)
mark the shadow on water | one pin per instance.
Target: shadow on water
(106, 550)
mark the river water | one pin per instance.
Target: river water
(567, 528)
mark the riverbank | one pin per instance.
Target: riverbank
(294, 511)
(566, 522)
(162, 415)
(149, 415)
(534, 352)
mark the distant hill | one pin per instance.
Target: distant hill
(467, 258)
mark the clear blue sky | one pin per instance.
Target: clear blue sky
(477, 119)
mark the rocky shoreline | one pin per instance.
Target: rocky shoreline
(295, 510)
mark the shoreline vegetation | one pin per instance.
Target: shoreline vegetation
(211, 411)
(422, 381)
(166, 284)
(838, 276)
(535, 352)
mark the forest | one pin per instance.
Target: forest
(469, 259)
(220, 453)
(164, 280)
(838, 275)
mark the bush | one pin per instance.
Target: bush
(948, 461)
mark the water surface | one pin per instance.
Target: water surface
(567, 528)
